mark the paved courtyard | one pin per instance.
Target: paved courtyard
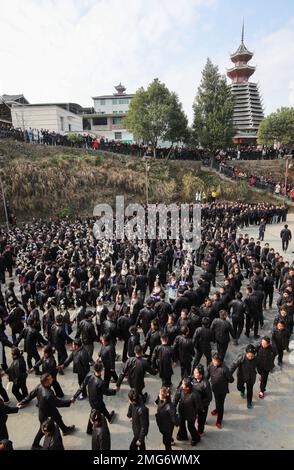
(269, 425)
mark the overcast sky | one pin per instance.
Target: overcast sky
(71, 50)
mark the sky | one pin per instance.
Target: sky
(72, 50)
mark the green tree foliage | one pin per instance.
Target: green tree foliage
(75, 139)
(277, 127)
(156, 114)
(213, 110)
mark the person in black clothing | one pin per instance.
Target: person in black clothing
(286, 236)
(96, 389)
(202, 339)
(202, 386)
(246, 374)
(166, 417)
(146, 315)
(47, 405)
(162, 310)
(280, 340)
(17, 374)
(86, 331)
(6, 444)
(220, 377)
(133, 341)
(152, 338)
(139, 414)
(181, 302)
(81, 366)
(4, 341)
(252, 313)
(107, 357)
(265, 362)
(184, 351)
(53, 439)
(31, 337)
(171, 329)
(188, 402)
(4, 411)
(109, 327)
(59, 338)
(124, 324)
(222, 330)
(100, 434)
(15, 320)
(135, 368)
(163, 361)
(237, 309)
(268, 288)
(3, 392)
(49, 366)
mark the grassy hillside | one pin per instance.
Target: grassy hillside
(45, 181)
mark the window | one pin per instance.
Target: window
(62, 123)
(124, 101)
(115, 112)
(116, 121)
(118, 135)
(102, 102)
(86, 124)
(69, 128)
(114, 101)
(101, 121)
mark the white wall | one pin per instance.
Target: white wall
(110, 135)
(46, 117)
(109, 107)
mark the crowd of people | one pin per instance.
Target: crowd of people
(271, 184)
(163, 305)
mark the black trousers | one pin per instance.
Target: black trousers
(20, 390)
(57, 389)
(33, 355)
(81, 378)
(249, 321)
(280, 354)
(107, 376)
(238, 326)
(61, 355)
(134, 447)
(58, 420)
(202, 415)
(219, 405)
(249, 389)
(90, 349)
(222, 349)
(263, 379)
(185, 370)
(270, 296)
(167, 439)
(198, 357)
(182, 432)
(166, 381)
(285, 244)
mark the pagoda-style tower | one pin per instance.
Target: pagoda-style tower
(248, 110)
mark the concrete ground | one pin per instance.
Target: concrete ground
(269, 425)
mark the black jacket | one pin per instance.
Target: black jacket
(204, 390)
(96, 389)
(202, 339)
(135, 368)
(162, 359)
(220, 377)
(152, 340)
(107, 356)
(172, 331)
(48, 366)
(140, 420)
(146, 315)
(31, 337)
(47, 403)
(162, 310)
(86, 331)
(109, 328)
(101, 437)
(123, 325)
(80, 359)
(17, 371)
(14, 320)
(280, 339)
(188, 404)
(59, 337)
(166, 417)
(133, 341)
(183, 350)
(237, 309)
(222, 329)
(179, 304)
(265, 357)
(246, 369)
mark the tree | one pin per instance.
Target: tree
(278, 127)
(213, 110)
(75, 139)
(156, 114)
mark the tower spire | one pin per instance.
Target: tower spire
(242, 37)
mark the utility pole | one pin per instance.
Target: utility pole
(147, 169)
(288, 159)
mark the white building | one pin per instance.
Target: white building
(106, 118)
(60, 117)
